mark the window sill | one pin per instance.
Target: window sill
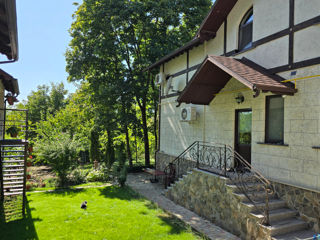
(274, 144)
(316, 147)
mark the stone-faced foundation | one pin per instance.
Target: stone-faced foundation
(209, 196)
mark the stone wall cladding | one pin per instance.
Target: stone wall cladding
(306, 202)
(163, 160)
(209, 196)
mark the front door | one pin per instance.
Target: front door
(243, 133)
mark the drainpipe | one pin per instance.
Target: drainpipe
(204, 124)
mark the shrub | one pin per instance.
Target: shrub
(51, 182)
(95, 176)
(78, 176)
(119, 169)
(60, 153)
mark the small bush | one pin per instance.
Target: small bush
(60, 153)
(78, 176)
(51, 182)
(119, 168)
(95, 176)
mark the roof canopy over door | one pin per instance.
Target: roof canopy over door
(216, 71)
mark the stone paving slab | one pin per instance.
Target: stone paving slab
(154, 192)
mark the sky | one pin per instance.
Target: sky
(43, 39)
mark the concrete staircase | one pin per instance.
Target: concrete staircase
(284, 222)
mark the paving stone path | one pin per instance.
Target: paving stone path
(154, 192)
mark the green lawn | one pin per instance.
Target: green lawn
(113, 213)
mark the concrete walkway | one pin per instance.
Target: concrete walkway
(154, 192)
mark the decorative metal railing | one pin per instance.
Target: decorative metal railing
(223, 160)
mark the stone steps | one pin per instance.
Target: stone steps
(286, 226)
(273, 204)
(179, 179)
(282, 219)
(251, 186)
(278, 214)
(254, 196)
(300, 235)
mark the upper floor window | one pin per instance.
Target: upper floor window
(245, 31)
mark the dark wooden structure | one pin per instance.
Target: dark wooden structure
(13, 164)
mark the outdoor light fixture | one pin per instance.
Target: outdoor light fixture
(239, 98)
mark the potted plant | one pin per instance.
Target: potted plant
(29, 164)
(28, 175)
(30, 147)
(28, 186)
(13, 131)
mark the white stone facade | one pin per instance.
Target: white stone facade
(298, 163)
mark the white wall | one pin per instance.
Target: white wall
(306, 9)
(269, 17)
(297, 164)
(306, 43)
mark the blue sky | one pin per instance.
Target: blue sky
(43, 38)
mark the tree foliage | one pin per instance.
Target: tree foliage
(113, 41)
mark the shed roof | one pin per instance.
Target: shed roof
(10, 83)
(8, 29)
(216, 71)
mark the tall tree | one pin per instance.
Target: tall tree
(115, 40)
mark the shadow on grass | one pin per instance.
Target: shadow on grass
(176, 225)
(124, 193)
(20, 229)
(65, 191)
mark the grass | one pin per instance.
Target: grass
(89, 184)
(113, 213)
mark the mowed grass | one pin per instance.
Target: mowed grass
(112, 213)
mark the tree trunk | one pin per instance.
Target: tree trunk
(145, 134)
(128, 146)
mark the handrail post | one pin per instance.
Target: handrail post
(267, 208)
(198, 155)
(225, 160)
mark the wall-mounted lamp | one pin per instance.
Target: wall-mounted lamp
(11, 99)
(239, 98)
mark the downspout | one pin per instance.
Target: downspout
(159, 124)
(204, 124)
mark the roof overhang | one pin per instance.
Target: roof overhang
(218, 13)
(8, 29)
(207, 30)
(10, 83)
(216, 71)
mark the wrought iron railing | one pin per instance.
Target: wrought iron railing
(223, 160)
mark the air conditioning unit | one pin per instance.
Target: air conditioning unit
(188, 114)
(168, 85)
(159, 79)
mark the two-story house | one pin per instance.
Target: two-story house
(249, 81)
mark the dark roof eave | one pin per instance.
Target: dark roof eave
(208, 29)
(193, 43)
(13, 29)
(10, 83)
(9, 32)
